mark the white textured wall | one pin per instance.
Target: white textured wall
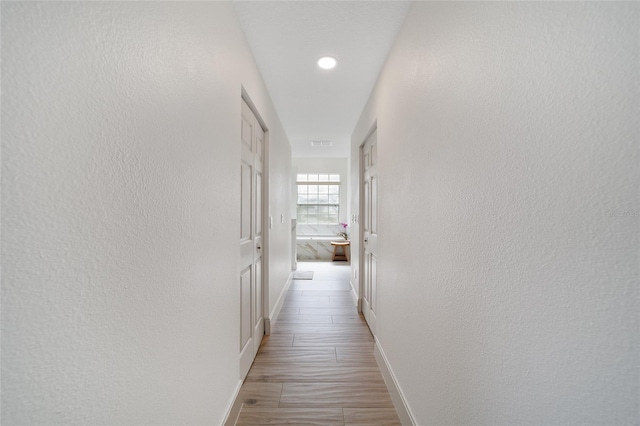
(280, 200)
(120, 183)
(509, 212)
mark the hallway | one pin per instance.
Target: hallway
(317, 367)
(503, 286)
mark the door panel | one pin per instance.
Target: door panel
(374, 205)
(258, 204)
(374, 284)
(247, 132)
(245, 308)
(251, 241)
(260, 144)
(245, 200)
(258, 320)
(367, 213)
(369, 243)
(258, 307)
(258, 302)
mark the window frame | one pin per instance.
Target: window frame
(326, 210)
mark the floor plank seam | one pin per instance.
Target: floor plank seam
(280, 397)
(318, 366)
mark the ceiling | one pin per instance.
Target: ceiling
(288, 37)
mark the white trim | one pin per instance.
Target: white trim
(247, 359)
(354, 297)
(273, 316)
(267, 327)
(361, 261)
(393, 387)
(234, 408)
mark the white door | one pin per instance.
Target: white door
(251, 241)
(369, 243)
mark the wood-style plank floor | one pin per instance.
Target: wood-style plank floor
(317, 367)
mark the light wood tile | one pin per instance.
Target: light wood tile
(347, 299)
(307, 299)
(304, 319)
(355, 354)
(286, 310)
(371, 416)
(348, 320)
(274, 340)
(328, 304)
(318, 362)
(296, 355)
(260, 394)
(348, 311)
(335, 329)
(313, 373)
(290, 416)
(320, 276)
(335, 395)
(355, 339)
(320, 286)
(330, 293)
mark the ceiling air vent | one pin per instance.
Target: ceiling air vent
(321, 143)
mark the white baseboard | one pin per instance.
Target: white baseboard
(392, 385)
(234, 408)
(273, 315)
(354, 297)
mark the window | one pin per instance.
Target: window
(318, 199)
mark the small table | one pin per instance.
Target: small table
(343, 245)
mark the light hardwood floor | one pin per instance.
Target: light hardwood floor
(317, 367)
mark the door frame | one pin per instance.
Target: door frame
(266, 221)
(244, 96)
(361, 220)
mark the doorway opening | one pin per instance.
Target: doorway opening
(321, 209)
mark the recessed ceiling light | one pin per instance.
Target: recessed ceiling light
(327, 62)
